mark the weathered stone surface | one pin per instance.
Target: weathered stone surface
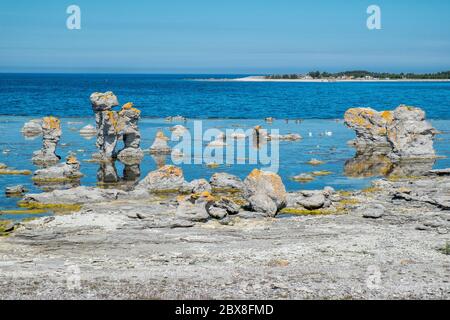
(228, 205)
(265, 192)
(129, 118)
(160, 145)
(311, 199)
(285, 137)
(402, 133)
(107, 172)
(131, 155)
(194, 207)
(70, 170)
(79, 195)
(410, 135)
(217, 213)
(111, 240)
(375, 211)
(167, 178)
(51, 133)
(32, 128)
(222, 180)
(197, 186)
(103, 101)
(106, 122)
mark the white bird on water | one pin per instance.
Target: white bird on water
(328, 133)
(310, 134)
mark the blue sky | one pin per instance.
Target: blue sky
(224, 36)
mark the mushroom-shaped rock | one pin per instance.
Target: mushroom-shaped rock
(160, 145)
(166, 179)
(265, 192)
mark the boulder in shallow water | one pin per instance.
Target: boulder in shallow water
(70, 170)
(265, 192)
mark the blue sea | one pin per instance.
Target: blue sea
(66, 95)
(219, 104)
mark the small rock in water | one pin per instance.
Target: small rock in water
(222, 180)
(303, 177)
(3, 166)
(16, 190)
(88, 130)
(160, 145)
(32, 128)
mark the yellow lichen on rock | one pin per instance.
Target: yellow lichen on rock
(51, 123)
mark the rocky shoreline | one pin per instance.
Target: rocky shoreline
(387, 241)
(163, 237)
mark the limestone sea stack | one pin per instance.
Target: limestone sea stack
(106, 121)
(402, 133)
(129, 118)
(160, 145)
(51, 133)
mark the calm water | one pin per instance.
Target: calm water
(26, 97)
(165, 95)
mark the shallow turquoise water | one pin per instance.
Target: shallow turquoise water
(293, 155)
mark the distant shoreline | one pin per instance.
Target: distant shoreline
(263, 79)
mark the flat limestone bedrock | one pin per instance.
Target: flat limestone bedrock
(125, 250)
(404, 132)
